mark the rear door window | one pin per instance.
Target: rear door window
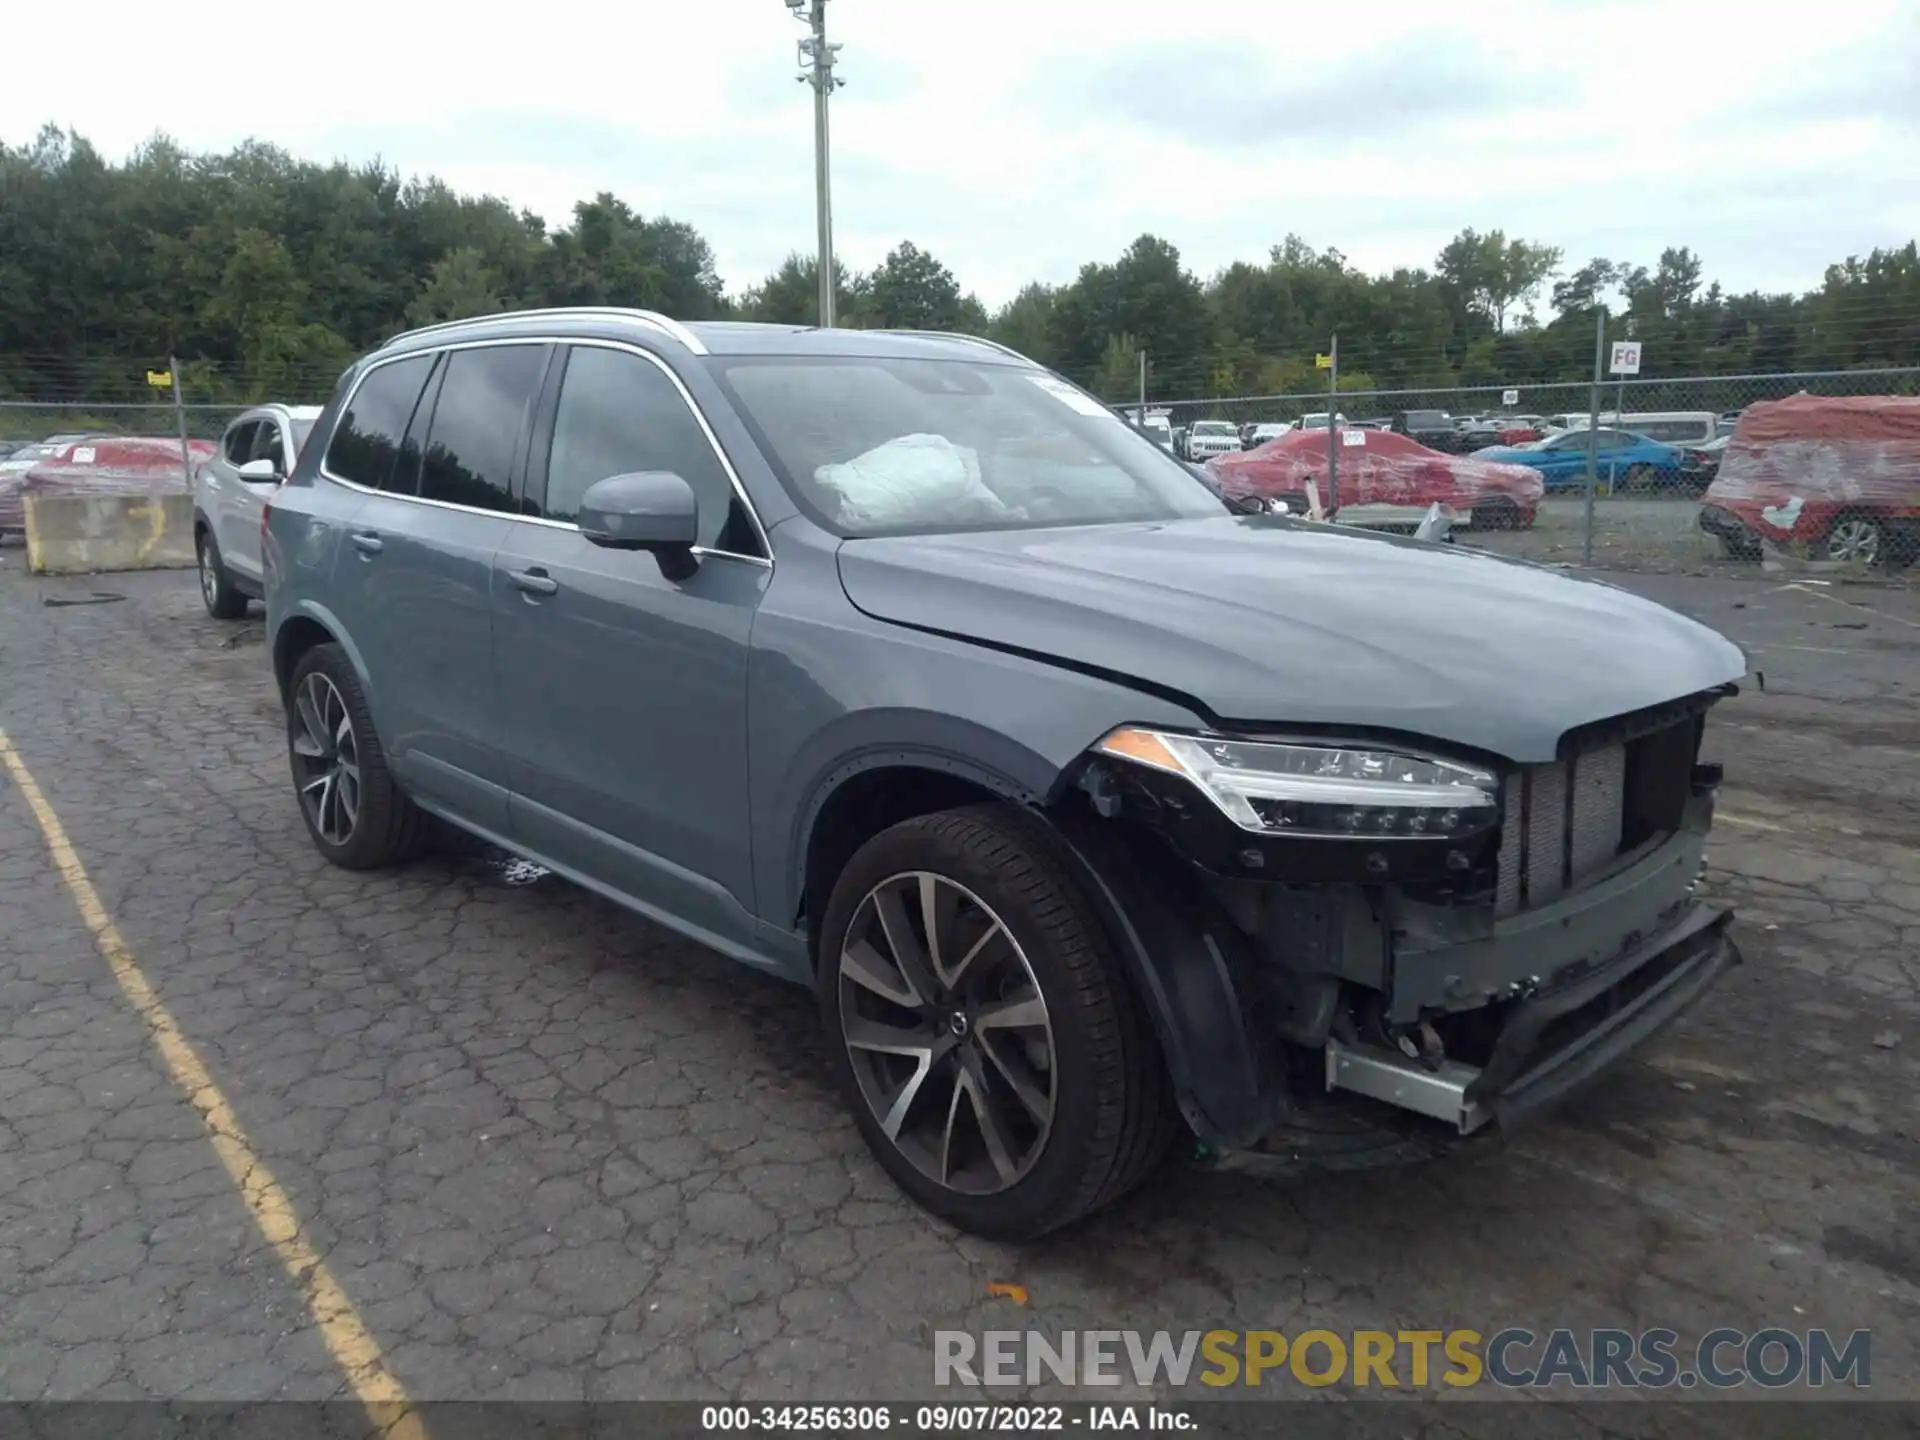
(367, 439)
(478, 422)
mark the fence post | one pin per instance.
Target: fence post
(1593, 426)
(180, 417)
(1333, 426)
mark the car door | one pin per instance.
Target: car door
(1564, 461)
(623, 693)
(243, 499)
(422, 550)
(219, 479)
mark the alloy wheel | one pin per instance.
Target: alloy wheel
(326, 757)
(209, 582)
(948, 1033)
(1854, 538)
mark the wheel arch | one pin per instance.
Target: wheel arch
(870, 791)
(302, 631)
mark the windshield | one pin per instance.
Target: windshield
(25, 457)
(1213, 427)
(889, 447)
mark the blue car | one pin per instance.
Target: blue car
(1626, 460)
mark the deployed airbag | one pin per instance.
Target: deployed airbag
(912, 480)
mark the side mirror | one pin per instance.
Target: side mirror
(648, 510)
(259, 472)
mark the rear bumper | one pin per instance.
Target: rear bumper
(1556, 1039)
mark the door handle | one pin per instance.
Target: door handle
(535, 581)
(367, 542)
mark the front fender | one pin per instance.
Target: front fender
(894, 737)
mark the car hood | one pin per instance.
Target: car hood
(1261, 620)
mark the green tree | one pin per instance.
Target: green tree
(910, 290)
(1022, 322)
(791, 295)
(1117, 377)
(459, 285)
(1491, 274)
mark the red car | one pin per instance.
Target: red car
(1840, 476)
(101, 465)
(1385, 480)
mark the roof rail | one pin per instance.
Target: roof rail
(667, 326)
(961, 335)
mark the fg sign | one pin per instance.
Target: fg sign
(1626, 358)
(1509, 397)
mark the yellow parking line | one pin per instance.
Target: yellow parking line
(347, 1337)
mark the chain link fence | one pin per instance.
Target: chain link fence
(1648, 501)
(1646, 511)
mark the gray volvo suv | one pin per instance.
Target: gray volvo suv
(895, 665)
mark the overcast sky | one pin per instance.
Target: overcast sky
(1018, 139)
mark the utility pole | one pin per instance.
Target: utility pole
(816, 69)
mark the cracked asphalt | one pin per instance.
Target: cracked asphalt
(550, 1151)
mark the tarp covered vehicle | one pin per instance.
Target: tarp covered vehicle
(100, 465)
(1385, 480)
(1839, 477)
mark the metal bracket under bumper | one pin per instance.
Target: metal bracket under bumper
(1523, 1073)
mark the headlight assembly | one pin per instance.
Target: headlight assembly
(1327, 792)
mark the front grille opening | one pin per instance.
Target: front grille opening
(1569, 821)
(1563, 1030)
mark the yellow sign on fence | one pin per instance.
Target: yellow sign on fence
(160, 379)
(1323, 362)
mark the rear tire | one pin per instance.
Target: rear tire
(217, 590)
(355, 812)
(1084, 1107)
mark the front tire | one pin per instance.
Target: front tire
(1858, 539)
(217, 591)
(1002, 1070)
(356, 814)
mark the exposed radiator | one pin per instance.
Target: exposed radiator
(1563, 825)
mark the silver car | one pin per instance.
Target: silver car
(229, 492)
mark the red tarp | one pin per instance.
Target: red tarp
(1376, 467)
(117, 465)
(1795, 465)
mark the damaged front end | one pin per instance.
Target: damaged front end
(1376, 923)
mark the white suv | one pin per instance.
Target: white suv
(1208, 438)
(229, 492)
